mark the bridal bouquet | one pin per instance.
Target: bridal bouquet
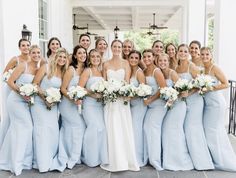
(204, 83)
(111, 92)
(127, 90)
(52, 96)
(99, 87)
(77, 93)
(183, 86)
(170, 95)
(143, 90)
(28, 90)
(7, 75)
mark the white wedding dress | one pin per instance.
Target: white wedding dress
(118, 121)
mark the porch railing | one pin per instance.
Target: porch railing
(232, 108)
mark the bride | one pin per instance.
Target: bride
(121, 149)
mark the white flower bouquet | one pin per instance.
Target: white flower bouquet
(52, 96)
(170, 95)
(77, 93)
(111, 92)
(99, 88)
(183, 85)
(204, 83)
(143, 90)
(28, 90)
(127, 90)
(7, 75)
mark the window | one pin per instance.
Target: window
(43, 25)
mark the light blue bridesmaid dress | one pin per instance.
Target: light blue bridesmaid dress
(218, 142)
(175, 152)
(95, 137)
(5, 120)
(46, 129)
(138, 111)
(193, 128)
(16, 152)
(71, 133)
(153, 127)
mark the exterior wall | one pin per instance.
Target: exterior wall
(195, 21)
(224, 37)
(1, 53)
(60, 22)
(13, 14)
(12, 18)
(12, 24)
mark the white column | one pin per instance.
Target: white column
(1, 53)
(12, 23)
(195, 20)
(225, 37)
(1, 37)
(61, 21)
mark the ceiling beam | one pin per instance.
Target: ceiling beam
(125, 3)
(174, 17)
(99, 20)
(134, 17)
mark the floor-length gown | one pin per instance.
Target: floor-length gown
(218, 142)
(95, 137)
(16, 152)
(155, 114)
(175, 152)
(138, 111)
(71, 133)
(118, 122)
(46, 129)
(5, 120)
(194, 132)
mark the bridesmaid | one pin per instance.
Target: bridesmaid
(72, 127)
(194, 49)
(16, 152)
(138, 109)
(101, 46)
(158, 48)
(171, 50)
(175, 152)
(118, 119)
(84, 41)
(193, 126)
(155, 112)
(214, 114)
(127, 46)
(24, 46)
(53, 44)
(95, 137)
(46, 129)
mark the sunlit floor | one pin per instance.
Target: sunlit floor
(82, 171)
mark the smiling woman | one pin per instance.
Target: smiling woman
(120, 137)
(46, 131)
(16, 152)
(85, 41)
(117, 116)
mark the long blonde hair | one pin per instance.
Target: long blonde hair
(53, 64)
